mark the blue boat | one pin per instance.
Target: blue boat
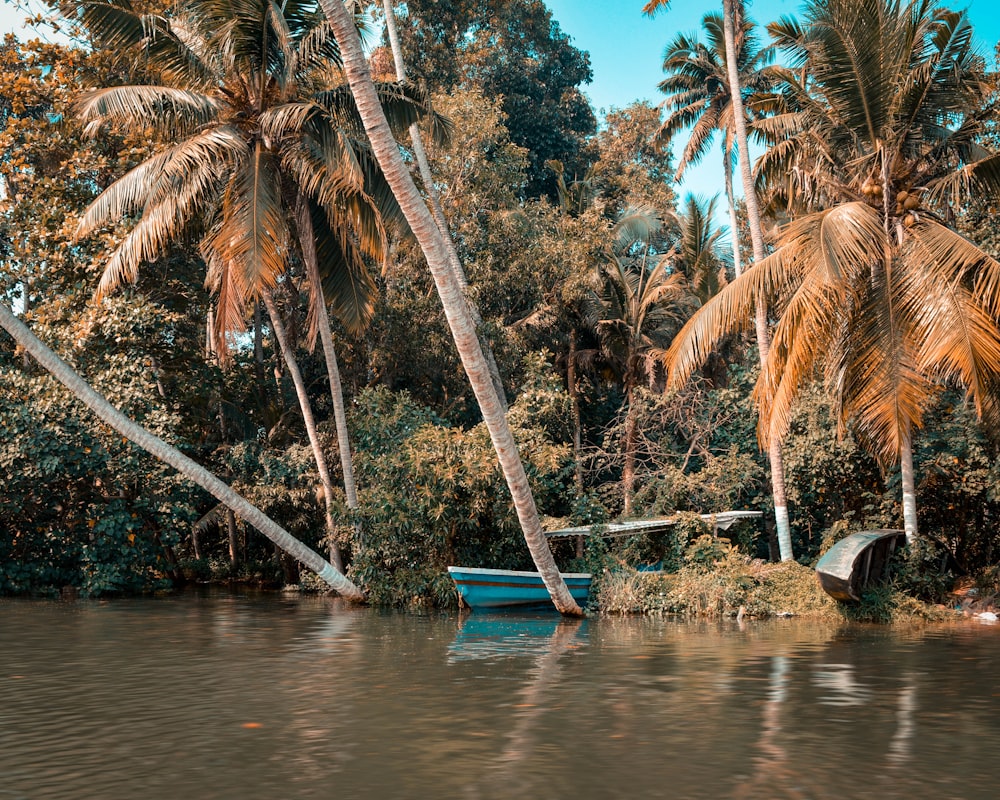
(514, 589)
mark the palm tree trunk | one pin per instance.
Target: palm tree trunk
(909, 491)
(423, 165)
(456, 309)
(160, 449)
(628, 471)
(574, 402)
(310, 423)
(234, 542)
(729, 17)
(734, 223)
(308, 242)
(210, 332)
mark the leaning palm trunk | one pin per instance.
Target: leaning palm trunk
(332, 369)
(160, 449)
(456, 309)
(759, 253)
(424, 166)
(310, 423)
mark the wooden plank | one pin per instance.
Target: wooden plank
(720, 521)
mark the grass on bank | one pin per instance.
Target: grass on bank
(717, 580)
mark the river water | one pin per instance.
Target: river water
(254, 696)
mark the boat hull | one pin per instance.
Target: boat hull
(857, 562)
(498, 589)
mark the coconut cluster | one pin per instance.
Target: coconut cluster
(907, 201)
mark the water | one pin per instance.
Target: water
(230, 696)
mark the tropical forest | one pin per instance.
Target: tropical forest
(335, 295)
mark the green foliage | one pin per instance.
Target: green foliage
(514, 52)
(80, 506)
(831, 482)
(434, 495)
(697, 451)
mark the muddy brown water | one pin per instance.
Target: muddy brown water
(255, 696)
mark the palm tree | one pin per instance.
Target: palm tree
(732, 11)
(635, 316)
(735, 54)
(163, 451)
(870, 282)
(263, 130)
(698, 248)
(699, 98)
(431, 241)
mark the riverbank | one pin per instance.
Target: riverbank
(737, 586)
(714, 580)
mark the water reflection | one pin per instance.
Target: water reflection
(487, 636)
(906, 708)
(240, 696)
(533, 699)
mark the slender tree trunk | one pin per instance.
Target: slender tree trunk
(310, 422)
(308, 242)
(160, 449)
(909, 490)
(456, 308)
(258, 347)
(423, 165)
(234, 542)
(734, 223)
(210, 332)
(196, 542)
(574, 402)
(25, 308)
(628, 471)
(729, 18)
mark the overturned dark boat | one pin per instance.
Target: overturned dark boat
(857, 562)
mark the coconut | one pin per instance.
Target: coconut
(902, 195)
(911, 203)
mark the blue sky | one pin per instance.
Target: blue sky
(626, 50)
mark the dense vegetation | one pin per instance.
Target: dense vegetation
(580, 258)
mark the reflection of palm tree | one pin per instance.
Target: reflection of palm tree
(901, 744)
(775, 774)
(430, 238)
(532, 697)
(871, 281)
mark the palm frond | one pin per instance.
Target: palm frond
(731, 310)
(253, 235)
(195, 162)
(347, 284)
(882, 391)
(170, 110)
